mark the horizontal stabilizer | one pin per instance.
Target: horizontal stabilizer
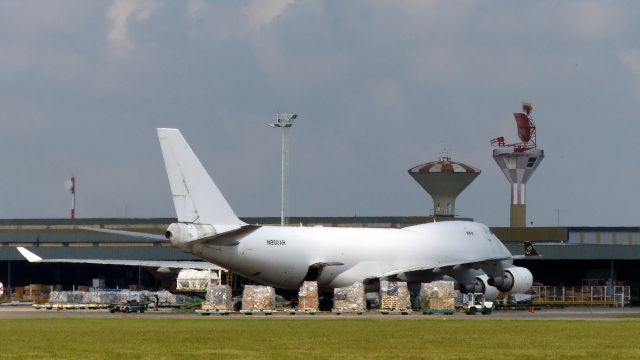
(135, 234)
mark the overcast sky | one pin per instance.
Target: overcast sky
(380, 86)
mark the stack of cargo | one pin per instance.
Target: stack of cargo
(349, 299)
(100, 297)
(308, 296)
(258, 298)
(18, 292)
(438, 295)
(394, 295)
(66, 297)
(98, 283)
(218, 298)
(107, 297)
(32, 292)
(195, 280)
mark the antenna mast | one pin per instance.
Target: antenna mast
(71, 186)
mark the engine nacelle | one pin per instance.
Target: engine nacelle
(481, 285)
(515, 279)
(181, 234)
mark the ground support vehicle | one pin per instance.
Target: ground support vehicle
(475, 303)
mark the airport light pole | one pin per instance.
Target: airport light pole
(284, 122)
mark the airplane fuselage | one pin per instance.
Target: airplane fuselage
(281, 255)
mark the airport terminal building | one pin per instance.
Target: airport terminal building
(571, 256)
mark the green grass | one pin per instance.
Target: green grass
(266, 338)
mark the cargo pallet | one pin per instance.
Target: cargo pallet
(438, 311)
(302, 312)
(339, 312)
(212, 312)
(395, 312)
(391, 302)
(257, 312)
(50, 306)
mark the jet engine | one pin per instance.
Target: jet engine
(514, 279)
(180, 234)
(481, 285)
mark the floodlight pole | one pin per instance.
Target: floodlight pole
(284, 122)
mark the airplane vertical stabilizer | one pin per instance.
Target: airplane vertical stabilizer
(196, 197)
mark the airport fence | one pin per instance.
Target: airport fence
(582, 295)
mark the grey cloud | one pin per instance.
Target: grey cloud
(379, 86)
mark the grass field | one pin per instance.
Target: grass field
(266, 338)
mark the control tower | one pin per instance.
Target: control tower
(444, 180)
(518, 161)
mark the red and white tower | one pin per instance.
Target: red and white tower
(71, 186)
(518, 161)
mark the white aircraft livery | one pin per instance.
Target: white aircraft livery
(285, 256)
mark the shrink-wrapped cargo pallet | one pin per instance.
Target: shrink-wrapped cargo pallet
(100, 297)
(195, 280)
(308, 296)
(218, 298)
(107, 297)
(438, 295)
(394, 295)
(349, 299)
(258, 298)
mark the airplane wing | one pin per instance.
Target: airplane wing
(529, 251)
(440, 267)
(200, 265)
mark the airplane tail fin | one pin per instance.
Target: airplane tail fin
(529, 250)
(196, 197)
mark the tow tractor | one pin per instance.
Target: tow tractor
(475, 303)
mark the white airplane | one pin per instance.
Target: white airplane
(284, 256)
